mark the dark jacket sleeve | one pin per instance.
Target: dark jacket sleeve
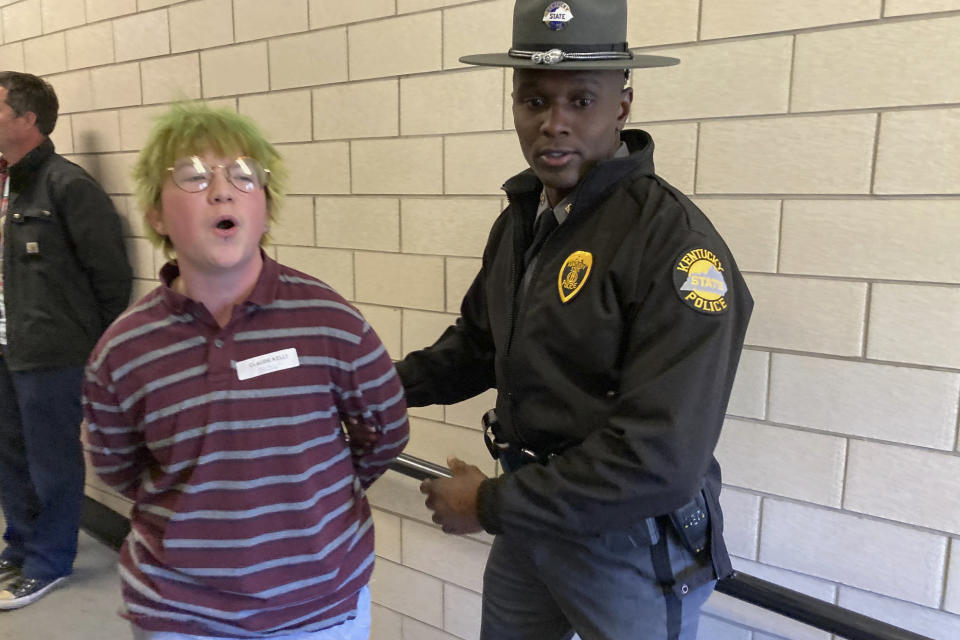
(657, 444)
(95, 231)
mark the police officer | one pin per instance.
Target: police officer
(609, 315)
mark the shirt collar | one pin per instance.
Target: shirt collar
(561, 211)
(264, 291)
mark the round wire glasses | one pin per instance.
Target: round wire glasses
(192, 174)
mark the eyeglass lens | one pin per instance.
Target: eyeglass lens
(193, 174)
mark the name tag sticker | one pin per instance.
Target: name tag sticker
(267, 363)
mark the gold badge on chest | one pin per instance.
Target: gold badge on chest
(574, 274)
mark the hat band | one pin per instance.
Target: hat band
(553, 56)
(573, 48)
(545, 54)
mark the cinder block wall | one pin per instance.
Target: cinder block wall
(822, 137)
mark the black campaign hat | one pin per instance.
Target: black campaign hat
(572, 35)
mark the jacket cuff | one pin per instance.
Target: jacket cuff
(412, 386)
(488, 505)
(403, 372)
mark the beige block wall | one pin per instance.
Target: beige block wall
(823, 139)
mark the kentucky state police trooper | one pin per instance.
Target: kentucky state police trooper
(609, 315)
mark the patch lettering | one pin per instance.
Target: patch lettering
(700, 282)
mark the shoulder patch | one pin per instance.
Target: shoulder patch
(574, 274)
(698, 277)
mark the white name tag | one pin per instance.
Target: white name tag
(267, 363)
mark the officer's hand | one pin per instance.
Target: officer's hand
(361, 436)
(454, 500)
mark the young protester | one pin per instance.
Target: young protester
(215, 403)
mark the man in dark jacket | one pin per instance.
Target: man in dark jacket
(609, 315)
(65, 277)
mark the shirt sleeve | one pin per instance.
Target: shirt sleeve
(372, 392)
(116, 446)
(653, 451)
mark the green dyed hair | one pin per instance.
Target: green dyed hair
(192, 128)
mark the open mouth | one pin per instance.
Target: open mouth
(226, 224)
(555, 158)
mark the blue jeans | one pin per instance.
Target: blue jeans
(356, 629)
(41, 468)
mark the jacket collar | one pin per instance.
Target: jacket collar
(599, 180)
(28, 164)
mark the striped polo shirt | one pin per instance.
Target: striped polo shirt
(250, 518)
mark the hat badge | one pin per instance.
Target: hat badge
(557, 15)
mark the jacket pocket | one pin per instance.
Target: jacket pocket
(30, 233)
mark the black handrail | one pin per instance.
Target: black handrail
(767, 595)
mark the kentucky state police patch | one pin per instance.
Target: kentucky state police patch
(699, 280)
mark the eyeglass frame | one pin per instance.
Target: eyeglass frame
(226, 174)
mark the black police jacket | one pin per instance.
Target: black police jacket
(66, 276)
(620, 355)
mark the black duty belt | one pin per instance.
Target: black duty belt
(691, 521)
(500, 449)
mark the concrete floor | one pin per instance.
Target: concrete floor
(83, 608)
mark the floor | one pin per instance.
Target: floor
(84, 608)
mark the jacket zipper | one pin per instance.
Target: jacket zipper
(514, 284)
(512, 318)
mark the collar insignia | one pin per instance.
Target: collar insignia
(573, 274)
(557, 15)
(698, 278)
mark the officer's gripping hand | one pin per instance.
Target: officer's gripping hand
(361, 436)
(454, 500)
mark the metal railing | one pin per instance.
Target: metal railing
(767, 595)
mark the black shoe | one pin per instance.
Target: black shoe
(24, 591)
(8, 570)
